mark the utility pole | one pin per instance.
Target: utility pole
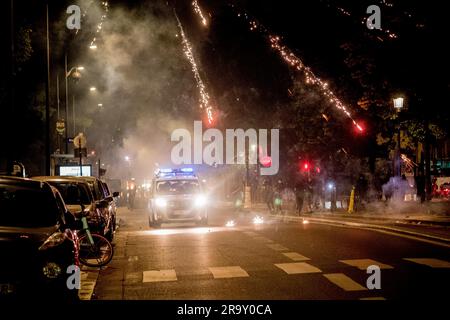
(47, 102)
(428, 187)
(9, 112)
(67, 104)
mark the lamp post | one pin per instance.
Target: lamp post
(398, 106)
(67, 74)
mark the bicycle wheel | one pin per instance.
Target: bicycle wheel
(97, 254)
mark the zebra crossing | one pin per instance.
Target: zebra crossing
(341, 274)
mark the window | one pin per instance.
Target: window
(73, 193)
(27, 207)
(177, 187)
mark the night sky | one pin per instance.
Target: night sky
(247, 80)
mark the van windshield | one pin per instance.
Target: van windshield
(169, 187)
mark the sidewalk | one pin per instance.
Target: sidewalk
(437, 214)
(429, 227)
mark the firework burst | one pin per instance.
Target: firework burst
(203, 94)
(199, 12)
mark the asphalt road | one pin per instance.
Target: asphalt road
(275, 260)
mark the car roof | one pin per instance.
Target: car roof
(62, 178)
(25, 182)
(167, 178)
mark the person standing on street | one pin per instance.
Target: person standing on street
(299, 195)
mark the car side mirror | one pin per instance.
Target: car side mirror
(101, 203)
(69, 220)
(81, 212)
(116, 194)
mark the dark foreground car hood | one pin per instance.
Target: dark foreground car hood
(32, 237)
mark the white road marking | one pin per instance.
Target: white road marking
(434, 263)
(159, 275)
(295, 256)
(263, 239)
(362, 264)
(228, 272)
(344, 282)
(297, 267)
(277, 247)
(88, 279)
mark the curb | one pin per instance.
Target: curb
(441, 240)
(393, 220)
(365, 217)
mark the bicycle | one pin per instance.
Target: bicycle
(95, 250)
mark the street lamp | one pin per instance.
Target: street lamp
(67, 74)
(398, 106)
(92, 89)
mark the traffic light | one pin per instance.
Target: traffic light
(305, 166)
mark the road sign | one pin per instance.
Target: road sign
(60, 126)
(80, 141)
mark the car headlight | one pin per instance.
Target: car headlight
(200, 201)
(54, 240)
(160, 202)
(51, 270)
(258, 220)
(230, 223)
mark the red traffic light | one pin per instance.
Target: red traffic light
(305, 166)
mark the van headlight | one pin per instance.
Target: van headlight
(51, 270)
(200, 201)
(160, 202)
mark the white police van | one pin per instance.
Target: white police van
(177, 196)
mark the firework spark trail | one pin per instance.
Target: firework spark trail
(198, 11)
(390, 35)
(295, 62)
(99, 26)
(204, 96)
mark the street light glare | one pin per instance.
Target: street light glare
(93, 47)
(80, 68)
(398, 103)
(92, 88)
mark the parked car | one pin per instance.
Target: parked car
(36, 246)
(105, 201)
(78, 196)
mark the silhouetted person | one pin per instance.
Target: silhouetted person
(361, 191)
(420, 186)
(299, 195)
(269, 195)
